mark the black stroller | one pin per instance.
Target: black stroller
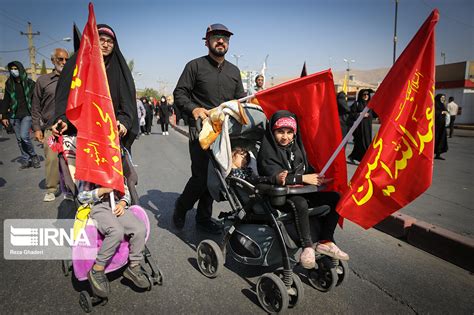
(152, 272)
(257, 233)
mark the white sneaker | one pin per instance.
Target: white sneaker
(49, 197)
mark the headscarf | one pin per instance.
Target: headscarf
(121, 86)
(27, 84)
(273, 158)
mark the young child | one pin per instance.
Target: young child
(241, 169)
(282, 150)
(113, 225)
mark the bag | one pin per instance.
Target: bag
(447, 120)
(80, 222)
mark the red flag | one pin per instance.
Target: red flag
(313, 100)
(90, 109)
(398, 166)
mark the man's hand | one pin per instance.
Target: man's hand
(121, 129)
(39, 136)
(5, 122)
(59, 128)
(200, 112)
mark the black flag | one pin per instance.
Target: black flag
(303, 71)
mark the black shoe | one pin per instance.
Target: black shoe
(178, 218)
(25, 165)
(210, 227)
(137, 276)
(35, 161)
(99, 283)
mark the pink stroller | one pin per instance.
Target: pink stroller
(81, 258)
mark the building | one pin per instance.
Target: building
(457, 80)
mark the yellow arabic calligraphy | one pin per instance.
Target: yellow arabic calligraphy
(404, 146)
(76, 82)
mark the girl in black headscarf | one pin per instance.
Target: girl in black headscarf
(363, 132)
(441, 136)
(121, 86)
(282, 150)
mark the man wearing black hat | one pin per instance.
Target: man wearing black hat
(205, 83)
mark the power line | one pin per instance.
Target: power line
(449, 17)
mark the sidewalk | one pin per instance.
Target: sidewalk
(441, 221)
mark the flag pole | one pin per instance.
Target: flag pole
(243, 99)
(344, 141)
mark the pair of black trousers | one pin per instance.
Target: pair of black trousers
(196, 188)
(314, 228)
(164, 126)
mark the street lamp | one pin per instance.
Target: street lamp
(237, 59)
(443, 55)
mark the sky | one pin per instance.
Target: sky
(161, 36)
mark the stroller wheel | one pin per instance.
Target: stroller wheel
(325, 277)
(65, 266)
(296, 292)
(85, 301)
(150, 282)
(209, 258)
(272, 293)
(342, 270)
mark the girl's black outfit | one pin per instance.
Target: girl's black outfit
(164, 111)
(273, 159)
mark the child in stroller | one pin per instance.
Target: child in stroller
(113, 224)
(282, 150)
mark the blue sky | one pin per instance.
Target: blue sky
(161, 36)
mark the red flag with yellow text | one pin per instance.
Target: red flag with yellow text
(398, 166)
(90, 109)
(313, 100)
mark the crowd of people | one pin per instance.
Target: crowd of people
(205, 83)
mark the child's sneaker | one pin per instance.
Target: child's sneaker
(330, 249)
(99, 283)
(136, 275)
(307, 258)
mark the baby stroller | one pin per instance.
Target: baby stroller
(257, 232)
(81, 259)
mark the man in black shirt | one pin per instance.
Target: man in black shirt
(205, 83)
(16, 111)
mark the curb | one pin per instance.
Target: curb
(435, 240)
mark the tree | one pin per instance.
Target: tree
(149, 92)
(43, 67)
(131, 65)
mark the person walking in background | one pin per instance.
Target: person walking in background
(343, 111)
(16, 111)
(363, 132)
(141, 111)
(148, 115)
(441, 136)
(205, 83)
(164, 111)
(42, 114)
(453, 109)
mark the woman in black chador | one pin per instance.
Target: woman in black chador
(164, 111)
(343, 111)
(441, 136)
(121, 86)
(363, 132)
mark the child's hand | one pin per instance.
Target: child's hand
(104, 190)
(119, 208)
(313, 179)
(281, 177)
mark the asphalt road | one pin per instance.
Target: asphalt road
(386, 275)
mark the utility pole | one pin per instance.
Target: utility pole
(32, 49)
(395, 33)
(237, 59)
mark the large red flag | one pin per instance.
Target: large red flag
(398, 166)
(313, 100)
(90, 109)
